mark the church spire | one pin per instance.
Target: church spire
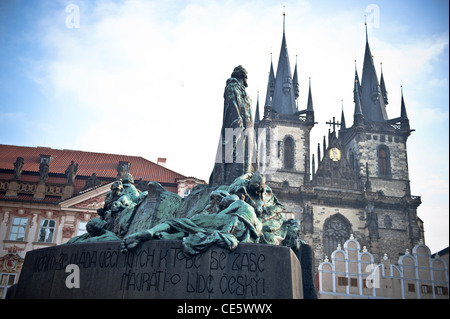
(403, 114)
(372, 103)
(295, 80)
(270, 84)
(404, 121)
(383, 87)
(310, 106)
(343, 126)
(271, 78)
(357, 115)
(283, 100)
(257, 118)
(268, 98)
(356, 85)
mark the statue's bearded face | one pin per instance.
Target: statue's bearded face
(244, 81)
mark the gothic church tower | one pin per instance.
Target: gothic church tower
(374, 141)
(284, 131)
(360, 186)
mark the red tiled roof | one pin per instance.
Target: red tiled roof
(102, 164)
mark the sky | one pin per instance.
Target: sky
(146, 78)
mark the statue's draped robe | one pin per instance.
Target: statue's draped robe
(236, 153)
(237, 223)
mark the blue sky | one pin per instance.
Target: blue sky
(146, 78)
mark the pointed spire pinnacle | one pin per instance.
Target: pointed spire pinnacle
(356, 85)
(283, 100)
(365, 24)
(403, 114)
(257, 118)
(384, 93)
(268, 97)
(271, 77)
(343, 126)
(318, 153)
(372, 103)
(310, 106)
(284, 19)
(270, 84)
(295, 80)
(357, 98)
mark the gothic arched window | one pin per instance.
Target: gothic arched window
(387, 221)
(352, 160)
(289, 152)
(383, 161)
(336, 230)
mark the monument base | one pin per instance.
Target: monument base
(159, 270)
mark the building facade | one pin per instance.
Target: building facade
(352, 273)
(47, 196)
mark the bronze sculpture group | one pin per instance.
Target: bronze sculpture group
(241, 208)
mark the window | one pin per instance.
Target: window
(289, 153)
(81, 228)
(46, 231)
(411, 288)
(342, 281)
(6, 281)
(352, 160)
(18, 228)
(387, 221)
(440, 290)
(383, 161)
(354, 282)
(426, 289)
(336, 231)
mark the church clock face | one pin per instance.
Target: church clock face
(335, 154)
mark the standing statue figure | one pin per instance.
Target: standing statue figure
(236, 153)
(71, 172)
(43, 171)
(92, 181)
(18, 166)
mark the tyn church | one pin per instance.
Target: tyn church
(358, 182)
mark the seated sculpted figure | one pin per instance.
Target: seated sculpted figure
(130, 191)
(253, 190)
(236, 222)
(113, 205)
(119, 201)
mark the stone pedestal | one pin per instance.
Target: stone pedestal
(13, 186)
(68, 191)
(159, 269)
(40, 191)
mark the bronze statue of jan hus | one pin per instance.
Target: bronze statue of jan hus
(236, 153)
